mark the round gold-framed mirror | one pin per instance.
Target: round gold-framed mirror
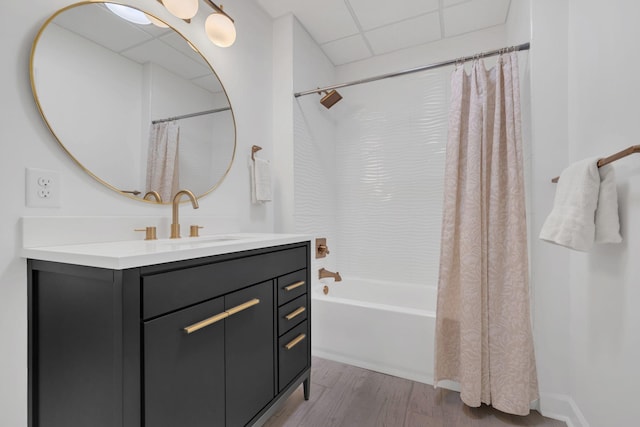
(134, 104)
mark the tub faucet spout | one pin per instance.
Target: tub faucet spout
(323, 273)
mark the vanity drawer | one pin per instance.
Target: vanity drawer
(292, 286)
(292, 313)
(293, 349)
(172, 290)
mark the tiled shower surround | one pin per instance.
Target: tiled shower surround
(369, 175)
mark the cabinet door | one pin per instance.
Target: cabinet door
(249, 353)
(184, 373)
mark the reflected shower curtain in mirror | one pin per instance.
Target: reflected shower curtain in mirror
(483, 327)
(162, 159)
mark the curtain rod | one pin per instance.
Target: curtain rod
(186, 116)
(524, 46)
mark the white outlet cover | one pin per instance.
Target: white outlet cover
(42, 188)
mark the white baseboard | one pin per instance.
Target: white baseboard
(562, 407)
(389, 370)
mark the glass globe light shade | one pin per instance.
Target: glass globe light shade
(220, 30)
(183, 9)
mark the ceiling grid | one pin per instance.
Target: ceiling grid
(352, 30)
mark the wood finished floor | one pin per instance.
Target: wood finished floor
(347, 396)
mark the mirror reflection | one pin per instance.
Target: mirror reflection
(133, 104)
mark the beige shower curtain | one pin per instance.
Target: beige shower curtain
(163, 159)
(483, 327)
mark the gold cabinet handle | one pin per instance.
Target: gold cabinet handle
(206, 322)
(241, 307)
(218, 317)
(295, 341)
(295, 313)
(293, 286)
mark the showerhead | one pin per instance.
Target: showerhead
(330, 98)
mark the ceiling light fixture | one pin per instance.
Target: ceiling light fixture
(128, 13)
(219, 26)
(183, 9)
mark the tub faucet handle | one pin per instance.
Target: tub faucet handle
(322, 250)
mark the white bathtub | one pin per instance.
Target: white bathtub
(382, 326)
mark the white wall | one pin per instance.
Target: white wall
(583, 81)
(315, 165)
(605, 283)
(283, 150)
(66, 70)
(246, 71)
(549, 264)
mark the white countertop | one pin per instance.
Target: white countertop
(138, 253)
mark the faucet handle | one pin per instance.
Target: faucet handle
(150, 232)
(194, 230)
(322, 250)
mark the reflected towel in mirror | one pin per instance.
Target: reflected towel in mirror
(260, 181)
(163, 159)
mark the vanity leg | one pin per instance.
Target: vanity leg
(305, 386)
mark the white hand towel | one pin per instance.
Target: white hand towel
(607, 218)
(571, 222)
(260, 181)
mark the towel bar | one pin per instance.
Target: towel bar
(612, 158)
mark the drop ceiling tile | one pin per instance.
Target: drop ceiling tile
(325, 20)
(447, 3)
(209, 83)
(376, 13)
(176, 41)
(412, 32)
(156, 31)
(158, 52)
(347, 50)
(474, 15)
(277, 8)
(97, 23)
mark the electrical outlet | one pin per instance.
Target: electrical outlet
(45, 180)
(42, 188)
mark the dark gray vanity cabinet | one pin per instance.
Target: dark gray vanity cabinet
(184, 375)
(202, 342)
